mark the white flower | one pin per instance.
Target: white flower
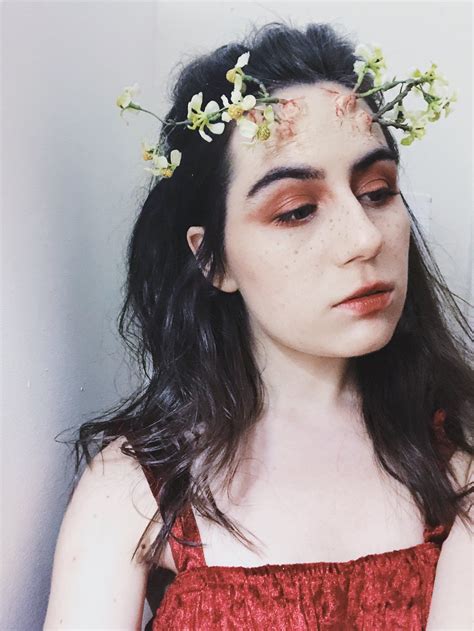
(235, 74)
(248, 129)
(164, 168)
(364, 51)
(417, 121)
(125, 100)
(416, 117)
(438, 95)
(257, 131)
(439, 88)
(148, 150)
(372, 62)
(238, 106)
(201, 119)
(432, 75)
(126, 97)
(243, 60)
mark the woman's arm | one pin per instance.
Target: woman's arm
(94, 583)
(452, 606)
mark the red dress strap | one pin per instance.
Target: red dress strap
(187, 557)
(437, 534)
(184, 527)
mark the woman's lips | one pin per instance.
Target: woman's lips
(367, 304)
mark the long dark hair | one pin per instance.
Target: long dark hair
(200, 390)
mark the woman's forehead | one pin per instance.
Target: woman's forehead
(318, 131)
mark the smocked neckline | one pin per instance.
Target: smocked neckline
(312, 566)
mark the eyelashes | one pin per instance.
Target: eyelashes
(286, 217)
(382, 195)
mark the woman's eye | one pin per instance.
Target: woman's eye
(380, 196)
(307, 209)
(300, 215)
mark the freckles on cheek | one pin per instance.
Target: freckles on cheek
(256, 264)
(397, 241)
(397, 230)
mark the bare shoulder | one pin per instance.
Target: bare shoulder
(113, 486)
(451, 604)
(95, 583)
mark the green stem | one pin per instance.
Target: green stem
(268, 99)
(386, 86)
(247, 77)
(359, 81)
(397, 99)
(214, 116)
(171, 122)
(410, 83)
(142, 109)
(387, 123)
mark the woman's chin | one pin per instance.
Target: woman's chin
(368, 339)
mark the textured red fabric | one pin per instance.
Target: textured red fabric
(389, 591)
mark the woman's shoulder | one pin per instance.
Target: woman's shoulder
(113, 493)
(136, 497)
(104, 520)
(114, 486)
(118, 482)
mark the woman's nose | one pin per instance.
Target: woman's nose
(358, 236)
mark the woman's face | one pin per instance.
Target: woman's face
(290, 275)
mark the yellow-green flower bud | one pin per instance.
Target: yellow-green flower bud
(263, 132)
(235, 111)
(230, 75)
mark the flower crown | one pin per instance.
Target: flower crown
(256, 118)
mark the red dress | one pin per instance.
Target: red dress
(388, 591)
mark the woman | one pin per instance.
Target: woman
(335, 435)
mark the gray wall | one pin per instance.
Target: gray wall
(72, 175)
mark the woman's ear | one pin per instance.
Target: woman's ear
(194, 237)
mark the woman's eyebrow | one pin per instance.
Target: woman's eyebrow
(306, 172)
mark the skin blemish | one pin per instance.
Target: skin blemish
(288, 114)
